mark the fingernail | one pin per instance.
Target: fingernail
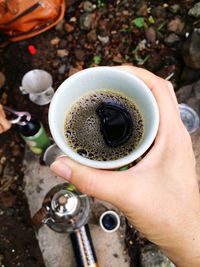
(61, 169)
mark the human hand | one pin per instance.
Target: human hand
(4, 123)
(160, 194)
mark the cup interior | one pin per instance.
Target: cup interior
(36, 81)
(94, 79)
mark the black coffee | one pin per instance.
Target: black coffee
(104, 125)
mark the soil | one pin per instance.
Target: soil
(98, 33)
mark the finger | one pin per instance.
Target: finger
(101, 184)
(5, 124)
(2, 113)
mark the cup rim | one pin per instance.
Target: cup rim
(111, 164)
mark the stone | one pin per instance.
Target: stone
(191, 51)
(62, 52)
(68, 27)
(62, 69)
(59, 26)
(73, 71)
(92, 36)
(196, 89)
(174, 8)
(141, 8)
(189, 75)
(85, 21)
(103, 39)
(2, 79)
(195, 10)
(118, 58)
(184, 93)
(171, 39)
(56, 63)
(79, 54)
(7, 200)
(150, 34)
(159, 12)
(88, 6)
(151, 256)
(55, 41)
(176, 25)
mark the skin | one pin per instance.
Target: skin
(4, 123)
(161, 192)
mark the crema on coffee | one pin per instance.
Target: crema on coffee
(103, 125)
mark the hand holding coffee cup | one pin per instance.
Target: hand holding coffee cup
(103, 117)
(160, 194)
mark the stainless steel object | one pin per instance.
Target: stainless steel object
(64, 210)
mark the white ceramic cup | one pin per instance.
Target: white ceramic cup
(97, 78)
(38, 84)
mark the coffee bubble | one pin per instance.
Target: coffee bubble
(85, 132)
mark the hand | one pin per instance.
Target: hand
(159, 195)
(4, 123)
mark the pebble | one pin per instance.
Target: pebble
(103, 39)
(92, 36)
(62, 69)
(191, 51)
(68, 27)
(174, 8)
(7, 199)
(55, 41)
(85, 21)
(73, 19)
(171, 39)
(195, 10)
(2, 79)
(56, 63)
(73, 71)
(197, 89)
(88, 6)
(150, 34)
(79, 54)
(176, 25)
(152, 256)
(118, 58)
(141, 8)
(59, 26)
(184, 93)
(62, 53)
(159, 12)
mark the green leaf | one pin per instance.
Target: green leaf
(97, 60)
(138, 22)
(151, 20)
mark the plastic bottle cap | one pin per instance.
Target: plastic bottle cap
(189, 117)
(109, 221)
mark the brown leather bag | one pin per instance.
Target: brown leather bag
(22, 19)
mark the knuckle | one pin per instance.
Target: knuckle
(87, 186)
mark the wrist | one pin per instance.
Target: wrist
(185, 250)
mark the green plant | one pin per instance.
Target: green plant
(100, 3)
(139, 22)
(96, 60)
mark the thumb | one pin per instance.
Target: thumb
(105, 185)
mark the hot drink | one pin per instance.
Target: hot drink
(103, 125)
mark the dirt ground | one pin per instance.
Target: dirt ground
(92, 33)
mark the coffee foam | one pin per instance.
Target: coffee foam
(82, 126)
